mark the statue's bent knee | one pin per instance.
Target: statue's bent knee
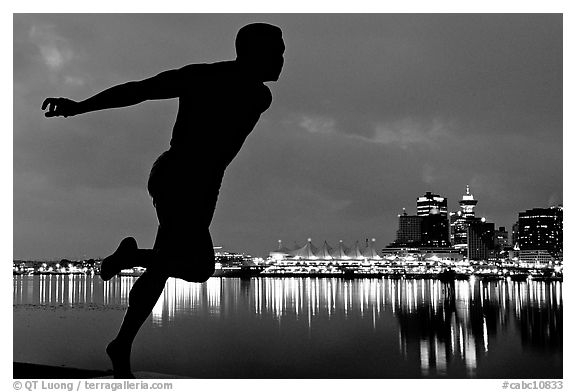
(198, 275)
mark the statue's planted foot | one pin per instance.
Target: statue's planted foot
(119, 354)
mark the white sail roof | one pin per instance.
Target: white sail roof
(369, 252)
(340, 252)
(325, 252)
(355, 253)
(308, 251)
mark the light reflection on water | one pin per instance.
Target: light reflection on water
(439, 325)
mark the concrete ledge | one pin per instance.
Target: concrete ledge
(35, 371)
(31, 370)
(150, 375)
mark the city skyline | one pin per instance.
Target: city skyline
(467, 203)
(361, 124)
(349, 243)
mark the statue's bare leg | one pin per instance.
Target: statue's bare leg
(192, 265)
(142, 298)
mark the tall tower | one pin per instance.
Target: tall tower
(480, 239)
(433, 210)
(431, 204)
(461, 220)
(468, 203)
(409, 229)
(541, 229)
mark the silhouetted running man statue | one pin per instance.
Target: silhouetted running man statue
(219, 105)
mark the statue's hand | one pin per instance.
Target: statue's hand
(60, 107)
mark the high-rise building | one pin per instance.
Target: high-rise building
(431, 204)
(458, 230)
(501, 238)
(480, 239)
(468, 203)
(541, 229)
(515, 235)
(435, 231)
(460, 220)
(409, 230)
(435, 226)
(502, 246)
(429, 228)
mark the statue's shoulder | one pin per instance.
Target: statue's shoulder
(220, 69)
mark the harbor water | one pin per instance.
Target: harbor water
(300, 327)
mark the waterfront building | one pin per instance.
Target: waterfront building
(326, 254)
(536, 258)
(428, 228)
(514, 253)
(431, 204)
(356, 253)
(458, 232)
(515, 235)
(281, 252)
(460, 220)
(409, 229)
(502, 246)
(480, 239)
(435, 230)
(369, 252)
(501, 238)
(422, 231)
(340, 252)
(468, 203)
(307, 252)
(541, 229)
(422, 254)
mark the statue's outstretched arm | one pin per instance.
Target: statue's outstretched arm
(165, 85)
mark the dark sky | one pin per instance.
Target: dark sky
(370, 112)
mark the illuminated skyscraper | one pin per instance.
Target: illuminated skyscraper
(435, 226)
(435, 231)
(480, 236)
(501, 238)
(459, 221)
(468, 203)
(458, 231)
(431, 204)
(515, 235)
(409, 230)
(541, 229)
(429, 228)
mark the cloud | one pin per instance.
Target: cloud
(318, 124)
(370, 112)
(410, 131)
(74, 81)
(429, 174)
(54, 49)
(403, 133)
